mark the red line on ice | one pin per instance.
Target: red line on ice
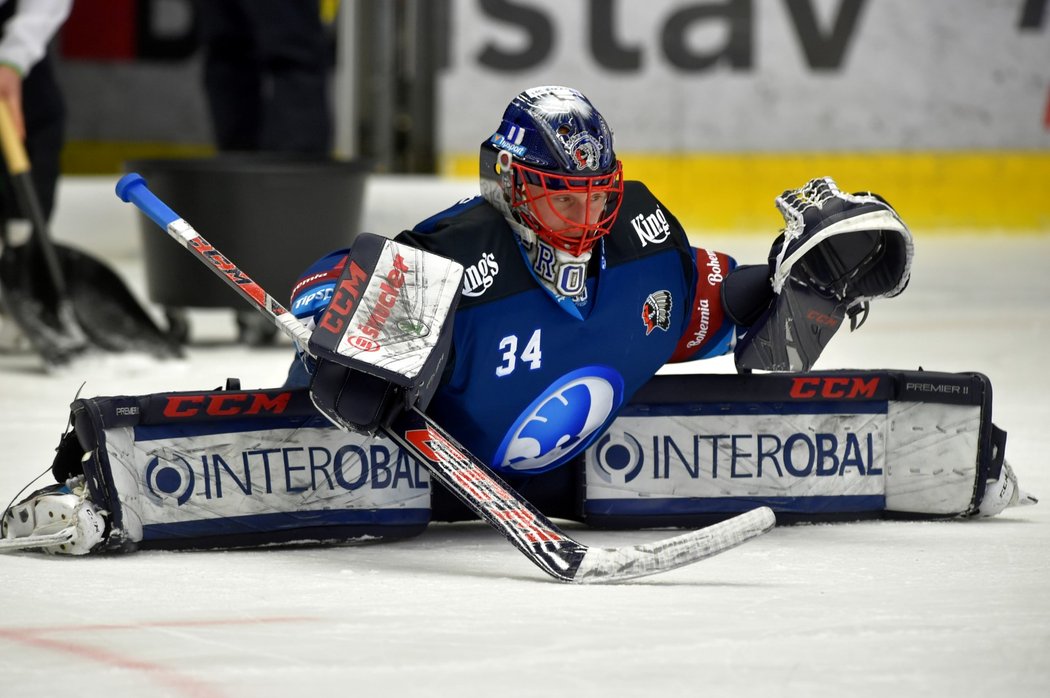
(173, 679)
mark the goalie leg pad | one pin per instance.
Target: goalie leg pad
(815, 447)
(234, 469)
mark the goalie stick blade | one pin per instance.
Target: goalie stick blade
(537, 537)
(617, 564)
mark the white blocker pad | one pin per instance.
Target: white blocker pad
(389, 310)
(813, 446)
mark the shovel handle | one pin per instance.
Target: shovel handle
(25, 193)
(14, 151)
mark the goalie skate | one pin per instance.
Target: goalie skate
(1002, 493)
(837, 252)
(59, 519)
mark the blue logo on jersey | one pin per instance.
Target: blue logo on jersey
(561, 421)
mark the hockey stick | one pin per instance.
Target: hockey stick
(472, 481)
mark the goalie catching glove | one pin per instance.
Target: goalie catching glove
(384, 338)
(836, 253)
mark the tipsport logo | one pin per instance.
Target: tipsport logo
(617, 462)
(562, 421)
(313, 301)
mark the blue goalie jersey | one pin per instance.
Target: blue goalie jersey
(533, 379)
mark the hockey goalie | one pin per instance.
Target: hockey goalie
(575, 287)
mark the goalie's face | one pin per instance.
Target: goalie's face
(570, 213)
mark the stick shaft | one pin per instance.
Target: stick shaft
(132, 188)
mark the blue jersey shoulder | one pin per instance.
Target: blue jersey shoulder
(434, 222)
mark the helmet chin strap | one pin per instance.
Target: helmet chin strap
(560, 272)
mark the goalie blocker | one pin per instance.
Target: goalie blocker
(235, 468)
(383, 340)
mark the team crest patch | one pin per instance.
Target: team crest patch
(585, 151)
(657, 311)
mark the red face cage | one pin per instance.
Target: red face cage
(572, 224)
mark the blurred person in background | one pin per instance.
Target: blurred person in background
(266, 65)
(28, 86)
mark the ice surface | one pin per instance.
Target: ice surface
(861, 609)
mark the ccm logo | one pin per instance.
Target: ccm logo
(225, 404)
(822, 319)
(838, 388)
(346, 295)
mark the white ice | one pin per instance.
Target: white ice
(958, 608)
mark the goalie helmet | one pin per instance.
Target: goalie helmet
(553, 142)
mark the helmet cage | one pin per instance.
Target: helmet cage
(577, 236)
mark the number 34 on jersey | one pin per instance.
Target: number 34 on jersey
(513, 352)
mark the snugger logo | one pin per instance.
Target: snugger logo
(562, 421)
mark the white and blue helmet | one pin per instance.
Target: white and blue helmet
(552, 139)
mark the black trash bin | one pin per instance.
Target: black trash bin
(271, 214)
